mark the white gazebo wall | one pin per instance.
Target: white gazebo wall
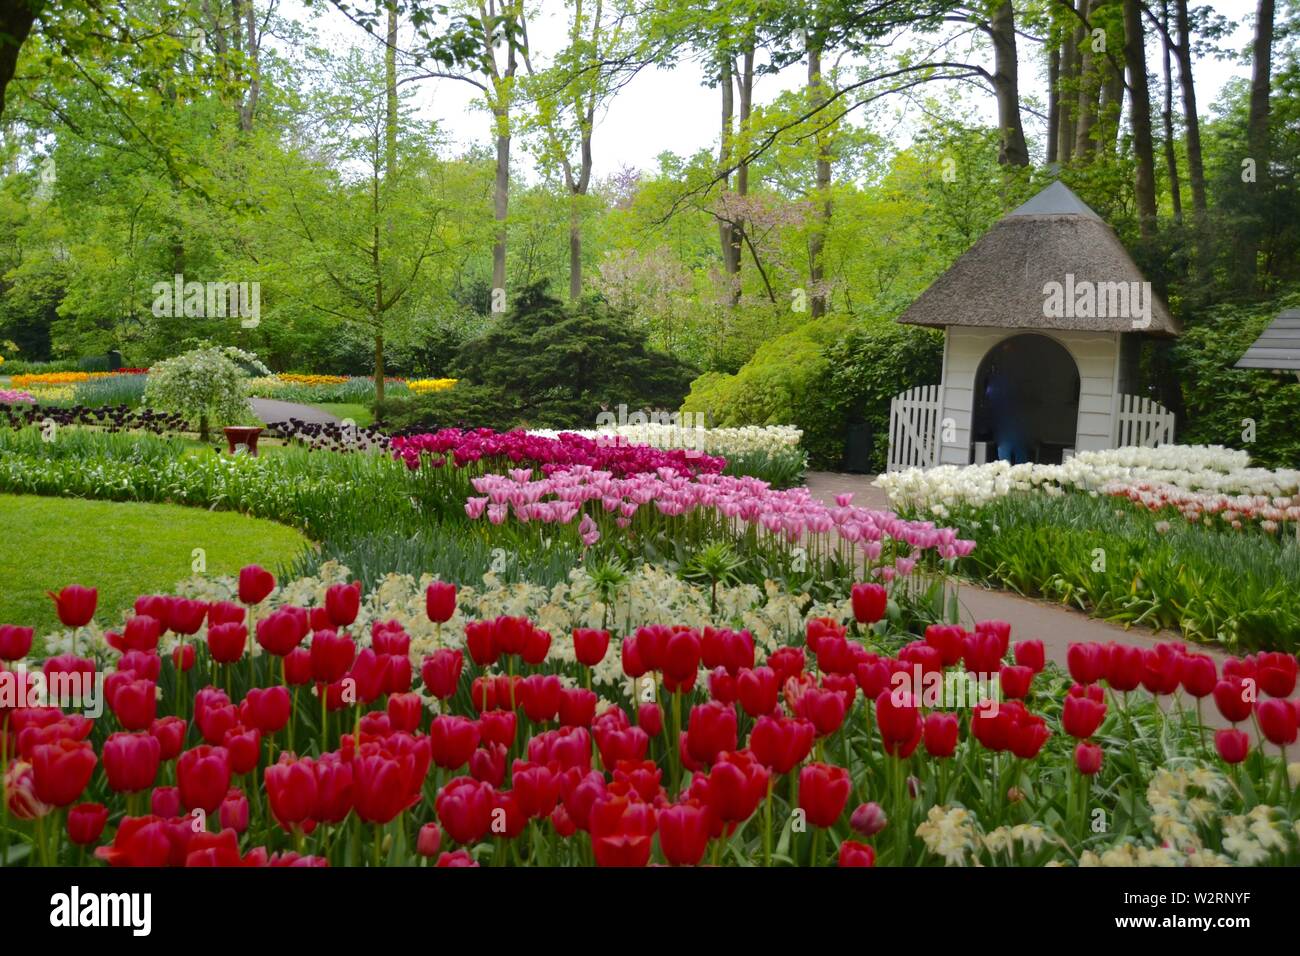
(1097, 354)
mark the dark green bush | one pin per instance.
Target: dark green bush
(1219, 398)
(465, 406)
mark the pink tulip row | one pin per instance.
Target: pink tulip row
(462, 448)
(793, 514)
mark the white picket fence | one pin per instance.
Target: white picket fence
(1141, 421)
(914, 427)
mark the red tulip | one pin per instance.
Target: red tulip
(536, 646)
(629, 743)
(333, 788)
(405, 712)
(342, 602)
(787, 662)
(291, 788)
(142, 633)
(131, 761)
(440, 602)
(982, 652)
(389, 637)
(539, 695)
(737, 784)
(948, 640)
(681, 660)
(1086, 662)
(650, 718)
(383, 785)
(441, 672)
(722, 686)
(1028, 736)
(781, 743)
(186, 616)
(757, 690)
(144, 664)
(1232, 745)
(1277, 721)
(1234, 697)
(203, 774)
(1087, 757)
(1015, 680)
(297, 667)
(170, 733)
(853, 853)
(683, 833)
(711, 729)
(590, 645)
(622, 830)
(135, 704)
(215, 721)
(480, 640)
(255, 584)
(1161, 669)
(498, 726)
(453, 740)
(823, 708)
(1198, 674)
(225, 612)
(15, 642)
(488, 763)
(280, 632)
(268, 709)
(940, 732)
(464, 807)
(234, 811)
(331, 656)
(165, 802)
(184, 657)
(869, 602)
(243, 748)
(1276, 673)
(1081, 716)
(86, 823)
(75, 605)
(723, 647)
(535, 787)
(61, 771)
(823, 791)
(577, 707)
(1124, 667)
(899, 722)
(1030, 654)
(226, 642)
(868, 819)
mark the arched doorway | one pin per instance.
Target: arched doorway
(1026, 400)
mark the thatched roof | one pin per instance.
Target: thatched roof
(1279, 347)
(1053, 238)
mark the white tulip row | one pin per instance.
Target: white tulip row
(1208, 468)
(772, 439)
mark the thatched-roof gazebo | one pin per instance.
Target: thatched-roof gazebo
(1043, 318)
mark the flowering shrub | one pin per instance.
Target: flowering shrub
(202, 385)
(317, 725)
(461, 448)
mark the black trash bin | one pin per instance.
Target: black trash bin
(857, 448)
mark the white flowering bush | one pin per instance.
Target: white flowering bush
(204, 385)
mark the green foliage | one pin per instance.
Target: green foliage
(1219, 398)
(562, 365)
(465, 406)
(871, 365)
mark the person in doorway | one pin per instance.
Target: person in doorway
(1008, 411)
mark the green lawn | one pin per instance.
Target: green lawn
(122, 548)
(358, 413)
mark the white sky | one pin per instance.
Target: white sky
(672, 109)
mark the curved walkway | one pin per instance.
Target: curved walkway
(274, 410)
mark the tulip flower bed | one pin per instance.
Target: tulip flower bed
(1269, 514)
(312, 724)
(112, 418)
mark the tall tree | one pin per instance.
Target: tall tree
(817, 91)
(1167, 113)
(1001, 29)
(1144, 185)
(1257, 139)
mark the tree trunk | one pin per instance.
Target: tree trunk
(1067, 85)
(379, 367)
(1006, 86)
(817, 240)
(726, 229)
(390, 90)
(1086, 108)
(1144, 186)
(1191, 123)
(16, 20)
(1167, 115)
(1053, 97)
(500, 206)
(1112, 105)
(1257, 143)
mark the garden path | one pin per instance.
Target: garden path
(1057, 626)
(273, 410)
